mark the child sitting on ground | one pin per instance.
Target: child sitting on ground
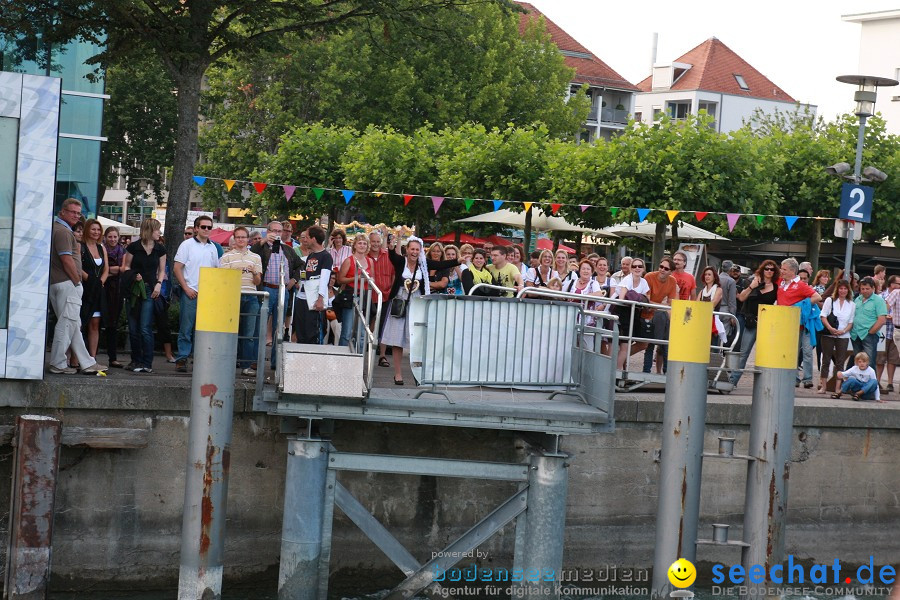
(860, 381)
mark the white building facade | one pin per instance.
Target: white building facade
(879, 54)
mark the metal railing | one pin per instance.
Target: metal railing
(260, 335)
(720, 372)
(364, 337)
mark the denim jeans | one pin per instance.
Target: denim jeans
(248, 331)
(748, 340)
(348, 316)
(660, 332)
(807, 350)
(140, 332)
(853, 385)
(186, 325)
(868, 344)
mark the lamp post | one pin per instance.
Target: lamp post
(866, 92)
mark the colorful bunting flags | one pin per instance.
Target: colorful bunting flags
(528, 206)
(289, 191)
(229, 183)
(584, 207)
(497, 204)
(732, 220)
(468, 202)
(406, 199)
(554, 208)
(317, 192)
(199, 180)
(790, 221)
(614, 210)
(672, 214)
(259, 187)
(436, 202)
(348, 194)
(759, 219)
(378, 194)
(642, 214)
(700, 215)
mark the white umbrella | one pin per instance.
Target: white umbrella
(647, 231)
(539, 221)
(122, 227)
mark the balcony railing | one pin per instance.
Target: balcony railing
(611, 115)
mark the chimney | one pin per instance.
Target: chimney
(653, 50)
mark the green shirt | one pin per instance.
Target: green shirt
(867, 312)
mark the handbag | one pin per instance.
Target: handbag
(343, 299)
(398, 308)
(832, 318)
(750, 321)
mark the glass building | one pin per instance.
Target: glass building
(81, 112)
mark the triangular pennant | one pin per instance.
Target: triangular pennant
(554, 208)
(700, 215)
(790, 221)
(642, 214)
(497, 204)
(468, 202)
(289, 191)
(584, 207)
(614, 210)
(259, 187)
(672, 214)
(436, 202)
(407, 198)
(759, 219)
(317, 192)
(528, 206)
(199, 180)
(378, 194)
(732, 220)
(229, 183)
(348, 194)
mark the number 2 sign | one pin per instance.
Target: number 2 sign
(856, 203)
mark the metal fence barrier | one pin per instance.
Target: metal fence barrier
(260, 336)
(366, 324)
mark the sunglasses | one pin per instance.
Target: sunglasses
(637, 266)
(205, 227)
(188, 234)
(769, 269)
(664, 268)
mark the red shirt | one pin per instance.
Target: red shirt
(382, 272)
(793, 292)
(686, 284)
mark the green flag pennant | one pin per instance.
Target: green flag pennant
(759, 219)
(614, 210)
(317, 192)
(468, 202)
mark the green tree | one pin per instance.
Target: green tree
(188, 37)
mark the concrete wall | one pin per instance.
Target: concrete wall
(118, 515)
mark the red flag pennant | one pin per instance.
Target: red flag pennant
(700, 215)
(259, 187)
(554, 208)
(407, 198)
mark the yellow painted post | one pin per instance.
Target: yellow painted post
(684, 423)
(771, 428)
(209, 434)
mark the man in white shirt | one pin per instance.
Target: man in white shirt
(192, 254)
(625, 270)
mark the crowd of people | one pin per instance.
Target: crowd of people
(97, 274)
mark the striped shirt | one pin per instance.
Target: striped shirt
(277, 266)
(892, 299)
(236, 259)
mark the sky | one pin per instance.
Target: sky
(801, 45)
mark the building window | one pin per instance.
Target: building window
(679, 110)
(9, 147)
(638, 116)
(657, 113)
(740, 81)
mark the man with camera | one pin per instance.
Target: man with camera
(278, 262)
(249, 264)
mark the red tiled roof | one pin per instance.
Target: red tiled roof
(590, 69)
(713, 67)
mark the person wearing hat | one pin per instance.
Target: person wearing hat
(729, 296)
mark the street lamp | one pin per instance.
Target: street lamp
(867, 86)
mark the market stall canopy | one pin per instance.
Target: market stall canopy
(497, 240)
(450, 238)
(647, 231)
(539, 221)
(122, 227)
(547, 244)
(220, 236)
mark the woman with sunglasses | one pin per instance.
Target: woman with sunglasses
(760, 291)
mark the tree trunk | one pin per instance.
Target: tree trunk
(528, 231)
(812, 246)
(578, 244)
(186, 143)
(659, 246)
(673, 246)
(332, 216)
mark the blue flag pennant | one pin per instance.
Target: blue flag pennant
(642, 214)
(199, 180)
(497, 204)
(790, 221)
(348, 194)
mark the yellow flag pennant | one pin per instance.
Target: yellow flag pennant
(672, 214)
(229, 183)
(528, 206)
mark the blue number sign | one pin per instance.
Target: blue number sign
(856, 203)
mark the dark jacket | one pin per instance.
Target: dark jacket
(399, 262)
(265, 252)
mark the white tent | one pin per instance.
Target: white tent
(539, 221)
(647, 231)
(122, 227)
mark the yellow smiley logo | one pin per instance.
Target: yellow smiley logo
(682, 573)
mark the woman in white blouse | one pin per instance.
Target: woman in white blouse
(541, 275)
(836, 339)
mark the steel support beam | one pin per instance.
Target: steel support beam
(36, 464)
(438, 467)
